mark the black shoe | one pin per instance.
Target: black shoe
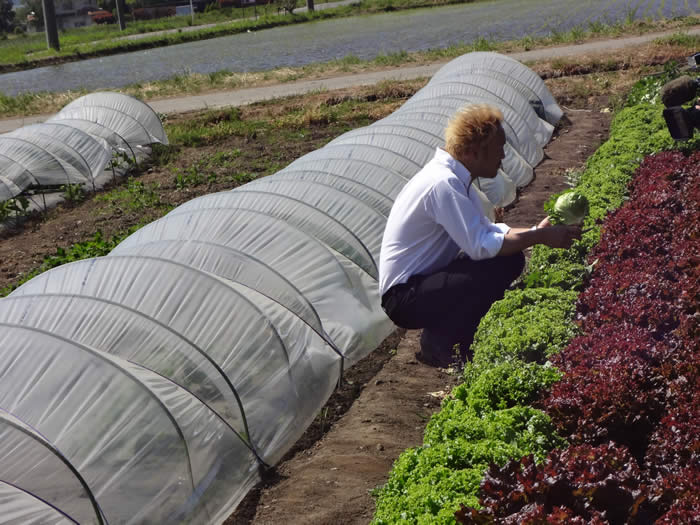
(466, 354)
(434, 352)
(430, 360)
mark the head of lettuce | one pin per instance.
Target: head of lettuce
(571, 207)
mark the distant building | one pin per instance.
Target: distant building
(169, 8)
(154, 11)
(183, 10)
(242, 3)
(74, 13)
(102, 17)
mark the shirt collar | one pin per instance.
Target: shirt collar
(454, 165)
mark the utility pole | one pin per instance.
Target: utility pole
(121, 13)
(50, 26)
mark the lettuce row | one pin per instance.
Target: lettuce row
(636, 132)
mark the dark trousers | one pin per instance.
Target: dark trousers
(449, 303)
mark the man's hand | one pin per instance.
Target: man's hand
(560, 236)
(544, 223)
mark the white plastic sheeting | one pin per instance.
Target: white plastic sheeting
(21, 507)
(94, 152)
(76, 145)
(151, 385)
(125, 105)
(511, 68)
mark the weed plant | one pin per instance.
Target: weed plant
(95, 247)
(73, 193)
(13, 209)
(135, 196)
(213, 126)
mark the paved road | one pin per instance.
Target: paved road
(241, 97)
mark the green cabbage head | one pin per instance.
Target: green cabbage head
(570, 208)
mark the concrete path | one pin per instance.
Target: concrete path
(241, 97)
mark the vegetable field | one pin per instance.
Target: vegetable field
(581, 405)
(502, 399)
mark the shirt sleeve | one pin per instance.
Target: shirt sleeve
(502, 227)
(451, 208)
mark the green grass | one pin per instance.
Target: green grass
(213, 126)
(22, 53)
(14, 49)
(680, 39)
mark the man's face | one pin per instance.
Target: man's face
(490, 154)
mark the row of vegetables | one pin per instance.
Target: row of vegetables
(582, 401)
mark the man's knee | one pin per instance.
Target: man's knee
(518, 263)
(399, 305)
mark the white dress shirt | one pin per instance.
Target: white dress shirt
(432, 219)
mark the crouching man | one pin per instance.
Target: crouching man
(443, 263)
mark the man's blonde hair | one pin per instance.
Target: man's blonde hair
(471, 127)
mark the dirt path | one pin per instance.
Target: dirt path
(329, 481)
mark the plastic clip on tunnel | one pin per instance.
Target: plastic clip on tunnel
(150, 385)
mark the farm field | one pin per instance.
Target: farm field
(220, 149)
(605, 380)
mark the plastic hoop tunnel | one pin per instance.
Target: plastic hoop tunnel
(153, 384)
(76, 145)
